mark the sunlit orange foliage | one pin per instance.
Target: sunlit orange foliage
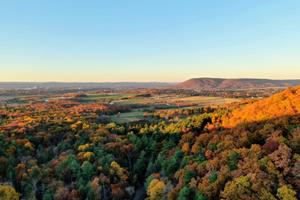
(285, 103)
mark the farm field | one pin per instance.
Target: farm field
(165, 103)
(111, 96)
(142, 104)
(132, 116)
(128, 99)
(203, 100)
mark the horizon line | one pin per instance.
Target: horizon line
(243, 78)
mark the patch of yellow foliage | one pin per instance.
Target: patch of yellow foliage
(156, 189)
(7, 192)
(84, 147)
(119, 171)
(85, 126)
(29, 145)
(286, 193)
(85, 155)
(75, 125)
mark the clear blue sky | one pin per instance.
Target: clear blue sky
(148, 40)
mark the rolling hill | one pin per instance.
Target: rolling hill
(285, 103)
(227, 84)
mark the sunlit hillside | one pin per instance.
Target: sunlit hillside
(286, 103)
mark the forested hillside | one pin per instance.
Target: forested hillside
(286, 103)
(233, 84)
(62, 150)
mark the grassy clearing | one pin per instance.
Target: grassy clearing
(102, 97)
(202, 100)
(105, 96)
(127, 117)
(199, 100)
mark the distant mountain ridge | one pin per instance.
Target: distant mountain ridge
(83, 85)
(194, 83)
(226, 84)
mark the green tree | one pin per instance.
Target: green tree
(200, 196)
(48, 195)
(188, 176)
(213, 176)
(185, 193)
(87, 170)
(233, 159)
(68, 169)
(141, 163)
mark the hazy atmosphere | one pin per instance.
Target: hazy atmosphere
(155, 40)
(150, 100)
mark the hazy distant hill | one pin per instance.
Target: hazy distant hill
(219, 83)
(100, 85)
(195, 83)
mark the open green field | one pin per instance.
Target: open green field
(127, 117)
(203, 100)
(102, 97)
(149, 103)
(173, 100)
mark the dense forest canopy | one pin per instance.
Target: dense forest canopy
(65, 150)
